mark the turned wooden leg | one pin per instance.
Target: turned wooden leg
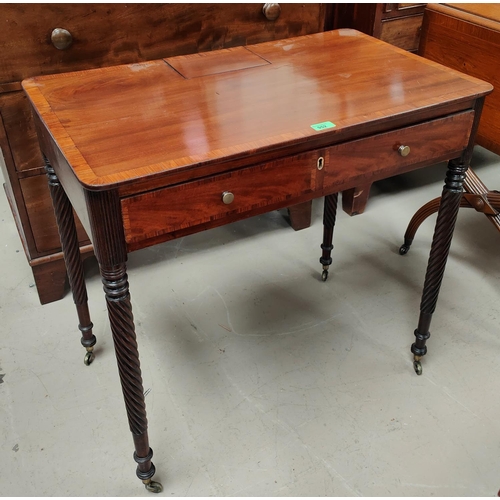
(111, 252)
(329, 216)
(354, 200)
(300, 215)
(69, 243)
(116, 289)
(445, 224)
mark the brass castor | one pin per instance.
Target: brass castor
(153, 486)
(404, 249)
(324, 274)
(417, 366)
(89, 357)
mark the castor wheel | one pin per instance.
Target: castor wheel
(153, 486)
(404, 249)
(89, 357)
(417, 366)
(324, 275)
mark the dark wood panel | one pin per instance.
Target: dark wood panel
(364, 17)
(50, 275)
(13, 192)
(109, 34)
(391, 10)
(403, 33)
(394, 23)
(20, 130)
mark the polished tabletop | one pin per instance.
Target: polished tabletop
(127, 122)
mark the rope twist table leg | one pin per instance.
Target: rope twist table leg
(71, 251)
(329, 216)
(445, 224)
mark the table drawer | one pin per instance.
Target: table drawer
(178, 207)
(378, 156)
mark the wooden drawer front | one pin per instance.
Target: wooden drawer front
(41, 215)
(20, 130)
(108, 34)
(178, 207)
(402, 9)
(403, 33)
(377, 157)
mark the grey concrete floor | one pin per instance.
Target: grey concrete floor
(261, 380)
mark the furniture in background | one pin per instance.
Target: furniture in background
(103, 133)
(396, 23)
(40, 39)
(466, 37)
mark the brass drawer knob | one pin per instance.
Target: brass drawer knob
(272, 11)
(227, 197)
(404, 150)
(61, 38)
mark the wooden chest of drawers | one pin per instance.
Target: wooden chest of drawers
(395, 23)
(40, 39)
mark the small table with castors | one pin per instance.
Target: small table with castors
(148, 152)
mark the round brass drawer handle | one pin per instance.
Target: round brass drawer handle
(404, 150)
(227, 197)
(61, 38)
(272, 11)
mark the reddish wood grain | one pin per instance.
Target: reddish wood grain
(150, 215)
(166, 210)
(213, 63)
(375, 157)
(116, 125)
(110, 34)
(466, 37)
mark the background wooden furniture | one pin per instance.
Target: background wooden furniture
(39, 39)
(466, 37)
(396, 23)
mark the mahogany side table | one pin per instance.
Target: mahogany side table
(153, 151)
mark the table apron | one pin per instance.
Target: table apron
(215, 200)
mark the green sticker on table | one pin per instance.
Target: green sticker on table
(322, 126)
